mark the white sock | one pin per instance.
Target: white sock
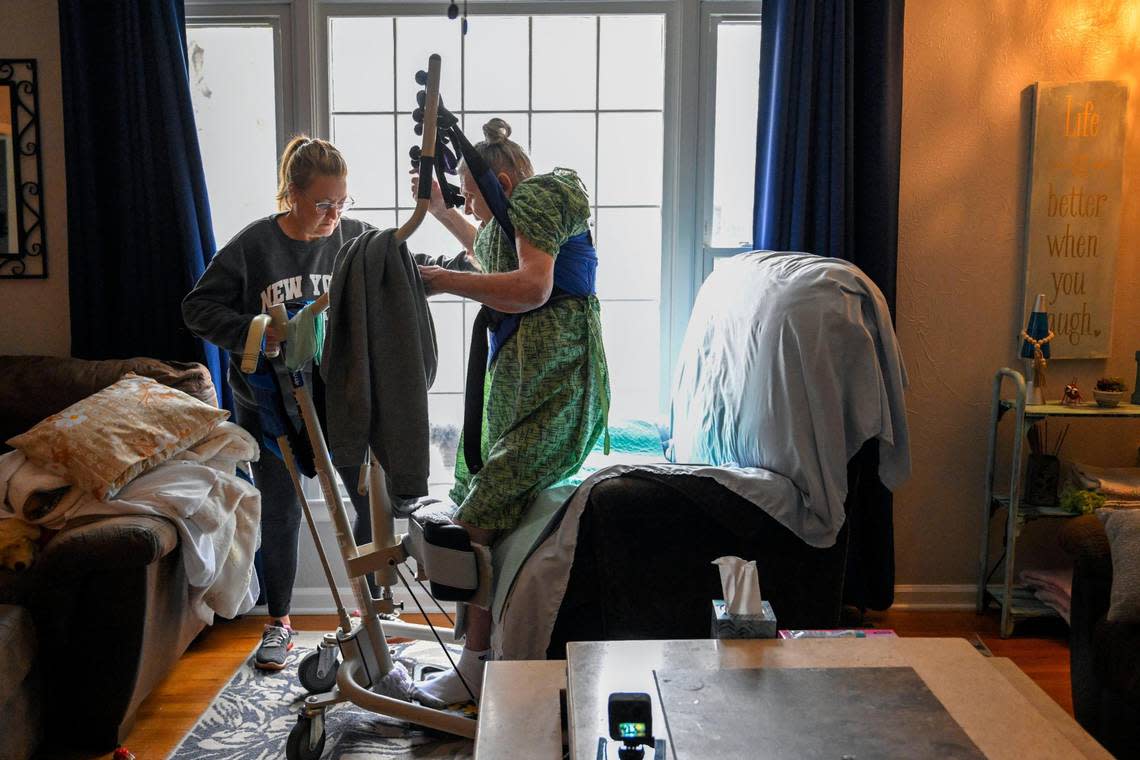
(446, 686)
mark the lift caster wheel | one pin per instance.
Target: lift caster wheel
(303, 744)
(308, 671)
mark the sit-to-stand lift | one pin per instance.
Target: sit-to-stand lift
(366, 675)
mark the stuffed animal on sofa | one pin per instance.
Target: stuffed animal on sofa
(18, 545)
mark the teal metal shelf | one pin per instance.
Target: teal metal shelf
(1032, 511)
(1085, 410)
(1017, 604)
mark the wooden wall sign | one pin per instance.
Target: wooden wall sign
(1073, 225)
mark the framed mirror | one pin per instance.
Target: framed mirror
(23, 250)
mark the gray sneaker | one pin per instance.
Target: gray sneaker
(276, 641)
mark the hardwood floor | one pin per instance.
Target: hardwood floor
(1039, 649)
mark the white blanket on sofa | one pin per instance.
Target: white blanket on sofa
(217, 513)
(790, 363)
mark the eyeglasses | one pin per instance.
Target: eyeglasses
(326, 206)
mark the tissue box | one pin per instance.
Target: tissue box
(726, 626)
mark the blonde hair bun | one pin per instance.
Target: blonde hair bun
(503, 155)
(497, 131)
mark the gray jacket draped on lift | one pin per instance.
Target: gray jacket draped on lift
(379, 361)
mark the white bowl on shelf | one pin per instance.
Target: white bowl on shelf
(1108, 398)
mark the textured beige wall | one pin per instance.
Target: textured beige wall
(34, 313)
(961, 263)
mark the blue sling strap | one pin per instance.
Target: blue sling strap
(575, 272)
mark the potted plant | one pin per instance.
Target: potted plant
(1109, 391)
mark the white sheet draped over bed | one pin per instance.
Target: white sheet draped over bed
(790, 363)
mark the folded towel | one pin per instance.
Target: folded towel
(1061, 603)
(33, 494)
(1115, 483)
(1055, 581)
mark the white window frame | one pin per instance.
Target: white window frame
(672, 188)
(713, 14)
(278, 17)
(301, 27)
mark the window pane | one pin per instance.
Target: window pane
(470, 311)
(448, 319)
(503, 75)
(631, 331)
(367, 144)
(632, 61)
(495, 61)
(383, 220)
(431, 238)
(629, 252)
(360, 63)
(445, 412)
(734, 162)
(566, 140)
(416, 39)
(565, 62)
(519, 121)
(445, 409)
(234, 97)
(629, 158)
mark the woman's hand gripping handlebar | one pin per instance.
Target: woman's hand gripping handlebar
(270, 328)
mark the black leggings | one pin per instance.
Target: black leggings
(281, 518)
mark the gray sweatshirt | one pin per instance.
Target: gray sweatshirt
(260, 267)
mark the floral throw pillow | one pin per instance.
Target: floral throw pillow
(106, 440)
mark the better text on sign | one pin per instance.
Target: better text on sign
(1073, 228)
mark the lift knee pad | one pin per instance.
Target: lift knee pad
(457, 569)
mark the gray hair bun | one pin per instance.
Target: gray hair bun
(496, 131)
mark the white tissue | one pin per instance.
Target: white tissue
(740, 584)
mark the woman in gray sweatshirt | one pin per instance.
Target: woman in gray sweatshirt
(285, 257)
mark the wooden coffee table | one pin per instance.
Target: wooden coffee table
(1000, 709)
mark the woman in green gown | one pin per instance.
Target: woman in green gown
(547, 387)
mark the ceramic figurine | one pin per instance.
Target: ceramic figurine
(1072, 395)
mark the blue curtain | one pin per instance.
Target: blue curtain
(827, 176)
(828, 129)
(139, 230)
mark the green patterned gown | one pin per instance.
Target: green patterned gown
(547, 391)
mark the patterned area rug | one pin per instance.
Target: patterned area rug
(252, 717)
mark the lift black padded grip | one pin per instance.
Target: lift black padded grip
(427, 165)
